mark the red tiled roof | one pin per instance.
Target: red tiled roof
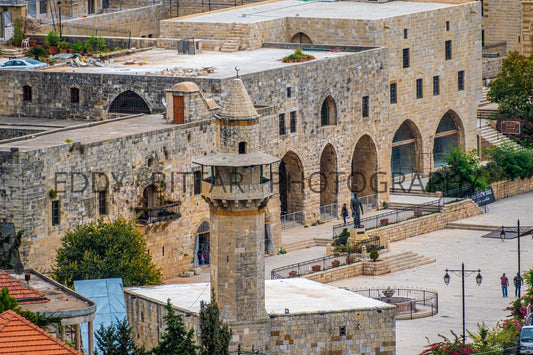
(23, 293)
(19, 336)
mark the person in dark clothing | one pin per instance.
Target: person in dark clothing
(518, 281)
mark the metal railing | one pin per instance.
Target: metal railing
(293, 219)
(369, 202)
(410, 303)
(306, 267)
(149, 215)
(397, 215)
(328, 211)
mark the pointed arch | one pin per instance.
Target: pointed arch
(128, 103)
(406, 157)
(364, 167)
(202, 250)
(291, 183)
(449, 134)
(328, 176)
(328, 112)
(301, 38)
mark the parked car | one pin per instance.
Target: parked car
(23, 63)
(526, 340)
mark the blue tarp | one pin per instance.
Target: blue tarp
(110, 306)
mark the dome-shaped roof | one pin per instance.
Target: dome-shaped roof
(185, 86)
(237, 105)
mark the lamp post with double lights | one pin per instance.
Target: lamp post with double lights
(462, 272)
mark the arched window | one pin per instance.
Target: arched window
(328, 112)
(129, 103)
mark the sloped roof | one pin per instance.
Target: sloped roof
(19, 336)
(23, 293)
(237, 105)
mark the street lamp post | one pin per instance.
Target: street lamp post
(60, 27)
(479, 278)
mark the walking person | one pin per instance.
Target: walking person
(505, 283)
(518, 281)
(344, 212)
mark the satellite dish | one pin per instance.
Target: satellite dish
(164, 102)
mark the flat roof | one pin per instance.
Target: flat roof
(210, 64)
(66, 303)
(89, 132)
(299, 295)
(314, 9)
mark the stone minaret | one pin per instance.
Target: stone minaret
(237, 184)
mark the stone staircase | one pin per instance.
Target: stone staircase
(300, 244)
(13, 52)
(233, 42)
(406, 260)
(493, 137)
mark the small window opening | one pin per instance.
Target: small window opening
(242, 148)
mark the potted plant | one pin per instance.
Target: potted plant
(292, 273)
(374, 255)
(63, 46)
(36, 52)
(52, 40)
(349, 259)
(417, 213)
(315, 268)
(297, 56)
(384, 221)
(88, 49)
(77, 47)
(335, 263)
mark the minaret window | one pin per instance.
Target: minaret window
(242, 148)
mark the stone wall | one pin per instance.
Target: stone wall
(145, 317)
(502, 23)
(138, 22)
(508, 188)
(367, 332)
(7, 133)
(491, 67)
(426, 224)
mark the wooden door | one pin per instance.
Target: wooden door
(179, 110)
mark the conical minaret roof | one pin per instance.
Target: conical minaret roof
(237, 105)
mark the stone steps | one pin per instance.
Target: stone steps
(233, 42)
(495, 138)
(476, 227)
(301, 244)
(406, 260)
(401, 205)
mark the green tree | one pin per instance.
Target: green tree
(462, 171)
(105, 249)
(116, 339)
(514, 162)
(214, 335)
(512, 89)
(176, 340)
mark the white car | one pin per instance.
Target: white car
(23, 63)
(526, 340)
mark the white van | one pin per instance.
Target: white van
(526, 340)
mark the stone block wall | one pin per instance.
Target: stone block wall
(508, 188)
(491, 67)
(145, 317)
(16, 132)
(366, 332)
(138, 22)
(426, 224)
(502, 23)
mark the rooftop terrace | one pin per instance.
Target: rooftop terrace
(316, 9)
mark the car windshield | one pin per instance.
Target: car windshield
(32, 61)
(526, 334)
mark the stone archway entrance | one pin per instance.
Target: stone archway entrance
(301, 38)
(291, 190)
(128, 103)
(328, 183)
(447, 137)
(406, 150)
(363, 179)
(201, 249)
